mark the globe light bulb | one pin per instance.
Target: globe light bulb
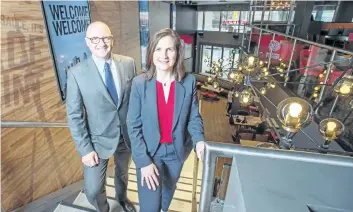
(345, 89)
(330, 129)
(231, 75)
(251, 60)
(215, 85)
(331, 126)
(209, 79)
(245, 99)
(263, 90)
(295, 109)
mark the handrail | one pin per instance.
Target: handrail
(195, 175)
(303, 40)
(194, 184)
(32, 124)
(276, 24)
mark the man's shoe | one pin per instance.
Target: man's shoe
(127, 206)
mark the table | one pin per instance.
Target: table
(210, 88)
(251, 120)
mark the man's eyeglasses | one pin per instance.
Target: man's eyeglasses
(96, 40)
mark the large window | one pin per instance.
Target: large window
(200, 20)
(258, 15)
(234, 21)
(206, 53)
(212, 20)
(324, 13)
(279, 15)
(230, 21)
(214, 53)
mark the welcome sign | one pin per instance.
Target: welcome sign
(66, 23)
(69, 19)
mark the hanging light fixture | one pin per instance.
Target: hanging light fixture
(345, 86)
(210, 80)
(330, 129)
(231, 75)
(245, 98)
(294, 114)
(263, 90)
(215, 85)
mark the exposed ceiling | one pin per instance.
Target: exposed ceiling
(214, 2)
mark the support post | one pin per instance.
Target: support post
(333, 106)
(259, 42)
(270, 57)
(327, 74)
(290, 62)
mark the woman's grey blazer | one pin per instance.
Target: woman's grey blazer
(142, 119)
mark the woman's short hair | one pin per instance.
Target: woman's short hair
(179, 66)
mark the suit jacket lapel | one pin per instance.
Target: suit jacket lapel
(120, 69)
(178, 101)
(97, 79)
(151, 95)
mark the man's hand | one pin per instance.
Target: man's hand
(91, 159)
(149, 174)
(200, 147)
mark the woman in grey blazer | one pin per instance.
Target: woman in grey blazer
(164, 123)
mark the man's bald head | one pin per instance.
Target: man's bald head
(98, 27)
(99, 40)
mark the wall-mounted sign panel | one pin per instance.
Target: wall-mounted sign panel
(66, 23)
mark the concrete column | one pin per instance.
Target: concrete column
(302, 17)
(344, 12)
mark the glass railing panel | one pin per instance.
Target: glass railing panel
(259, 177)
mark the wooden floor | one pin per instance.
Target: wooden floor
(217, 127)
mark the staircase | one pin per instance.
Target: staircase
(182, 201)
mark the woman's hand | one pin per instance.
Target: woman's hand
(149, 174)
(200, 147)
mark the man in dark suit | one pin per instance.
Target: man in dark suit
(98, 91)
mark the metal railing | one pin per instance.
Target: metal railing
(32, 124)
(295, 40)
(289, 26)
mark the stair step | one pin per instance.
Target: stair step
(176, 205)
(71, 208)
(82, 201)
(179, 194)
(180, 197)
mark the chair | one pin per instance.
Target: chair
(242, 113)
(262, 138)
(204, 94)
(246, 136)
(252, 108)
(235, 139)
(212, 96)
(231, 120)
